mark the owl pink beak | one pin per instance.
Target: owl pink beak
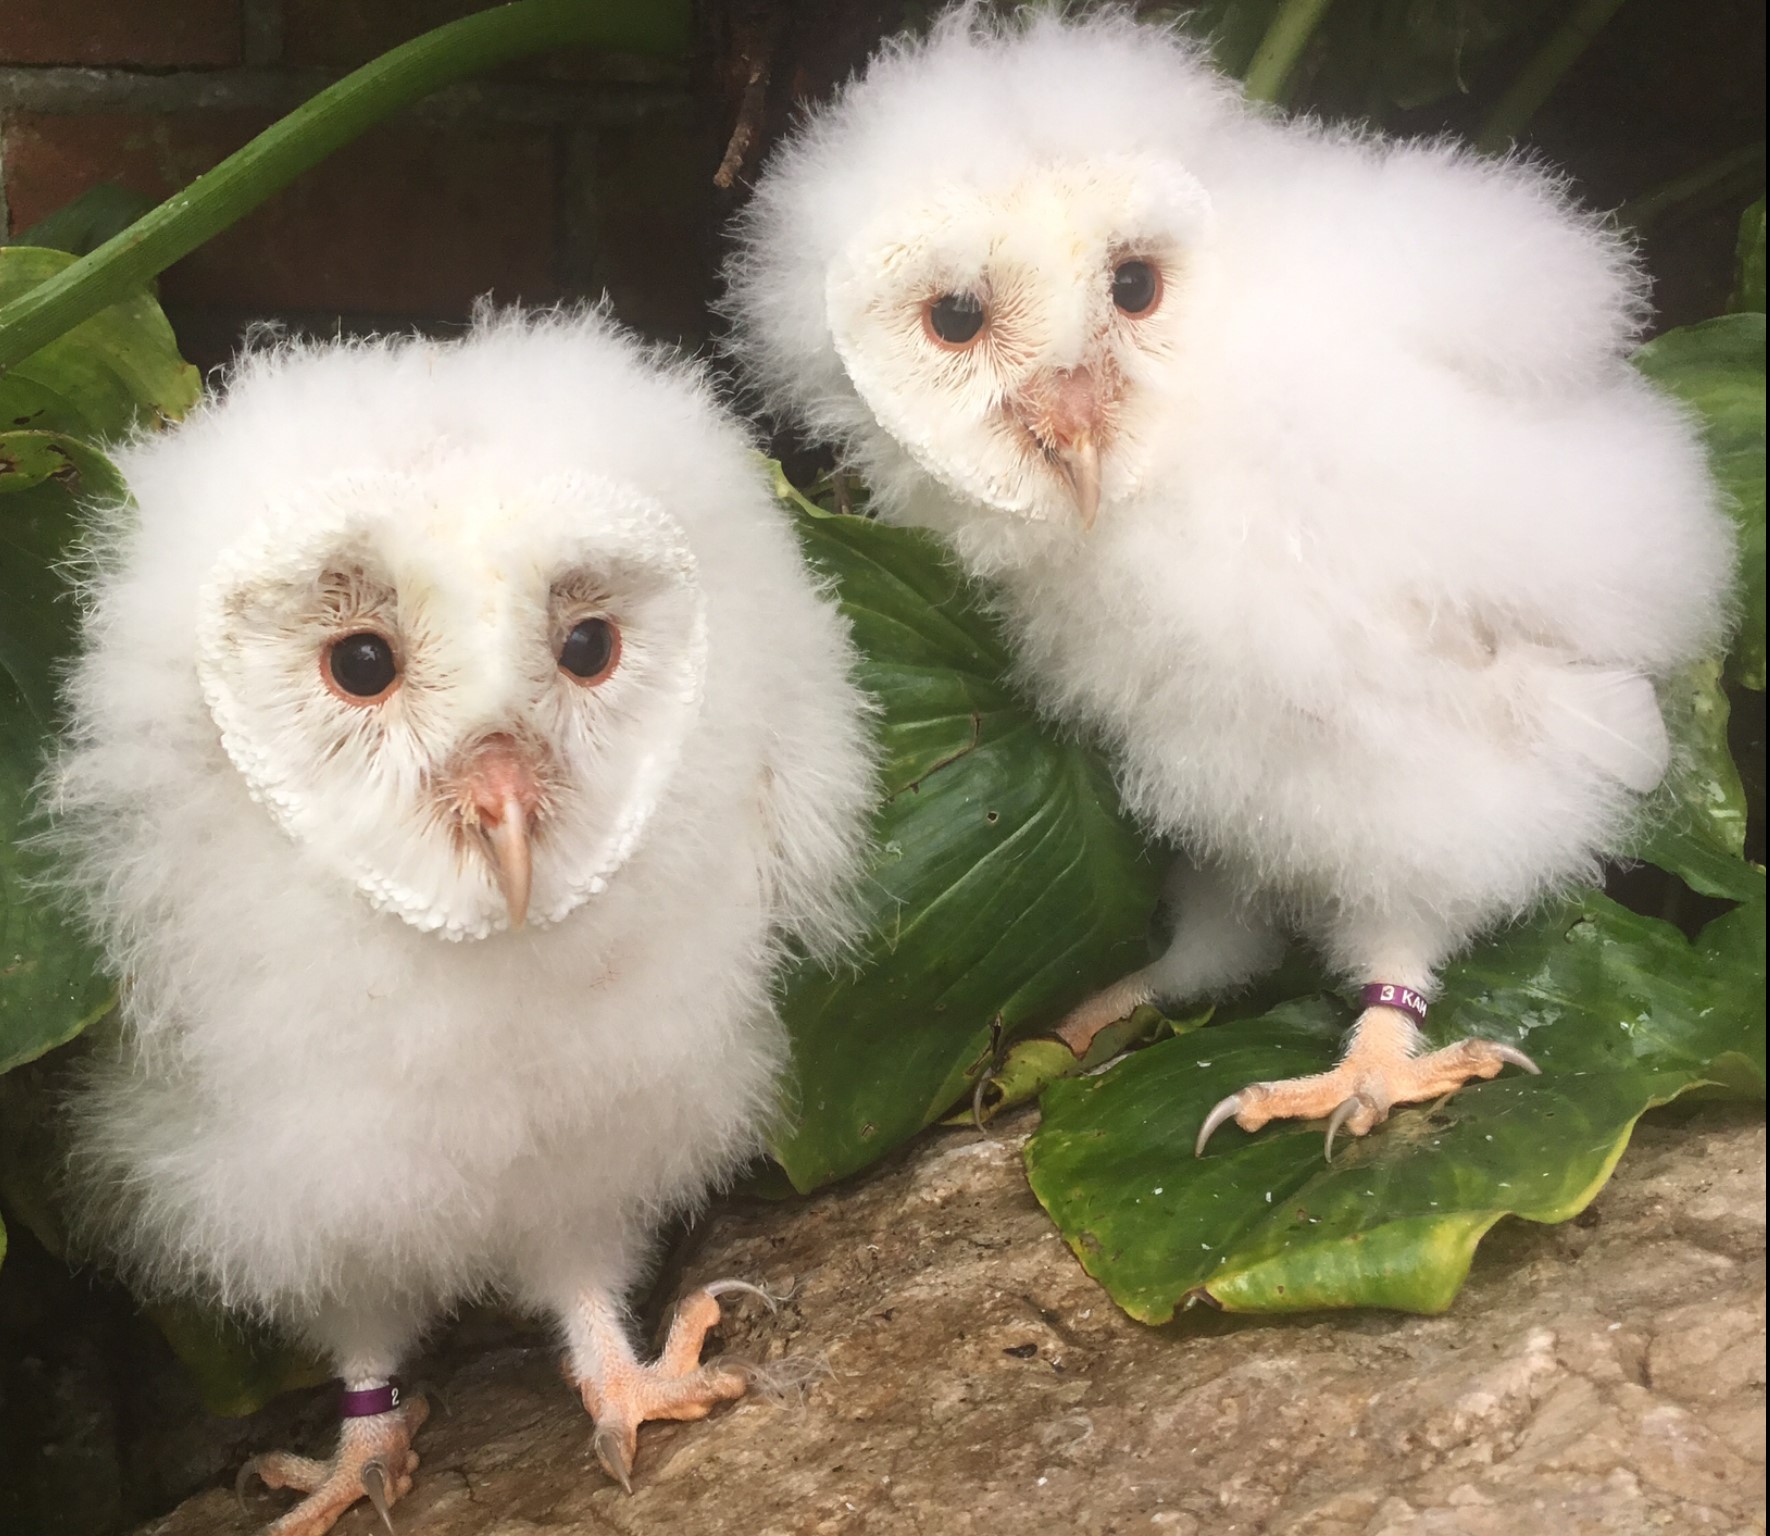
(1063, 410)
(500, 793)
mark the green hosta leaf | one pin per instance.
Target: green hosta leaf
(1699, 822)
(1031, 1065)
(1621, 1012)
(1717, 367)
(109, 373)
(237, 1367)
(1231, 29)
(1004, 886)
(42, 474)
(89, 220)
(1748, 288)
(118, 371)
(50, 987)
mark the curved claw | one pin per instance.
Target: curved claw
(1345, 1111)
(1517, 1058)
(244, 1476)
(770, 1299)
(611, 1450)
(374, 1477)
(1226, 1109)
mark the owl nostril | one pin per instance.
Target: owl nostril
(498, 776)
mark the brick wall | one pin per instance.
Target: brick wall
(566, 176)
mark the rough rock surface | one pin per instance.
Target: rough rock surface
(1603, 1376)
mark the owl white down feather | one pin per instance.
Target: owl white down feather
(400, 640)
(1309, 466)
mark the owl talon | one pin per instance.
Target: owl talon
(1226, 1109)
(1348, 1108)
(374, 1460)
(1511, 1053)
(374, 1477)
(247, 1472)
(1378, 1072)
(770, 1299)
(620, 1393)
(614, 1448)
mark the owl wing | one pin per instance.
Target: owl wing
(1485, 265)
(1606, 714)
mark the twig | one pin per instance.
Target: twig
(748, 126)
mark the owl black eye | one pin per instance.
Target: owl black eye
(1136, 285)
(590, 650)
(954, 319)
(362, 665)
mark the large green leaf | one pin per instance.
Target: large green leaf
(116, 372)
(118, 369)
(1717, 367)
(89, 220)
(1004, 884)
(50, 985)
(1698, 821)
(1748, 284)
(1621, 1012)
(237, 1366)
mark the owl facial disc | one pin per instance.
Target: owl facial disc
(467, 702)
(1009, 335)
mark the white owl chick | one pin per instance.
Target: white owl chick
(1310, 469)
(409, 642)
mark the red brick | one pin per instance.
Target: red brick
(154, 33)
(409, 220)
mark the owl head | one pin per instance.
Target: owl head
(461, 688)
(978, 262)
(478, 624)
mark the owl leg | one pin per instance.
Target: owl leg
(1221, 939)
(1384, 1064)
(374, 1460)
(621, 1393)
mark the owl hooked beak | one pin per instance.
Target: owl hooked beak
(498, 796)
(1063, 411)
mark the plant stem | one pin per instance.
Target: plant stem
(1538, 79)
(1743, 166)
(1281, 47)
(314, 130)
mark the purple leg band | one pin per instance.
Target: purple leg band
(366, 1402)
(1385, 994)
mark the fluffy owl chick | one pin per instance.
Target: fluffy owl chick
(456, 740)
(1310, 469)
